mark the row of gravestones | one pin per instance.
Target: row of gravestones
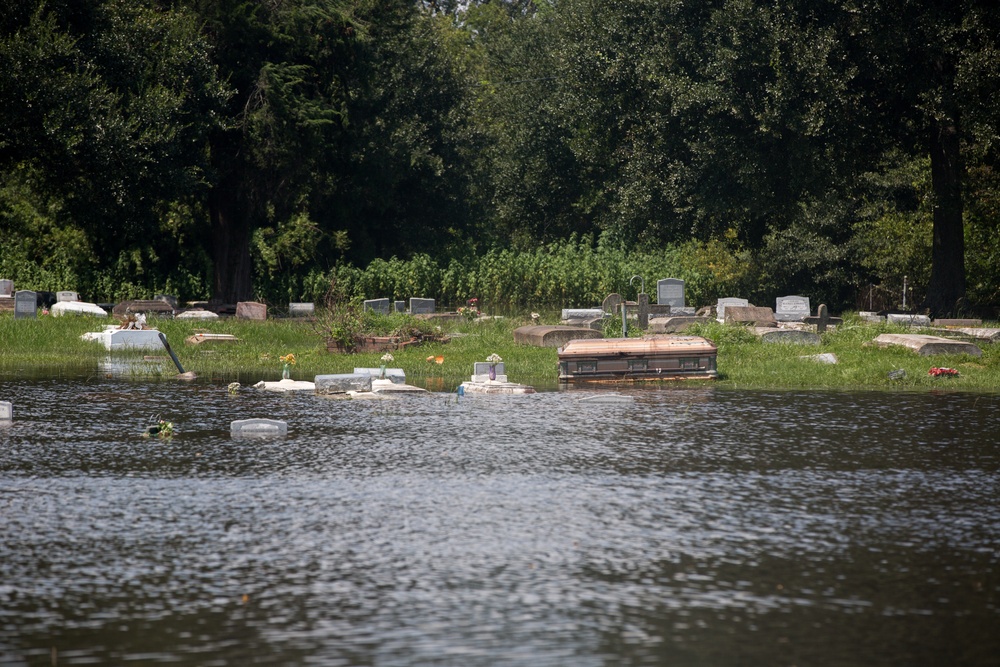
(418, 306)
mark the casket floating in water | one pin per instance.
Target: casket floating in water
(638, 359)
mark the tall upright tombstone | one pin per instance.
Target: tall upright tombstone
(642, 302)
(25, 304)
(670, 291)
(6, 287)
(791, 308)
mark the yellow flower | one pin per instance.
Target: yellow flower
(288, 359)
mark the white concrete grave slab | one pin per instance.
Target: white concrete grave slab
(77, 308)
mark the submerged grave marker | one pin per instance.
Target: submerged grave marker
(6, 411)
(256, 428)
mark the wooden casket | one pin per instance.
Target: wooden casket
(649, 358)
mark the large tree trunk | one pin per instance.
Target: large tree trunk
(233, 281)
(946, 291)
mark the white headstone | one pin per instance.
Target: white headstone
(258, 428)
(791, 308)
(582, 313)
(670, 291)
(720, 308)
(25, 304)
(906, 319)
(67, 296)
(395, 375)
(6, 287)
(6, 411)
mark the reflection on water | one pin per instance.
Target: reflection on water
(693, 527)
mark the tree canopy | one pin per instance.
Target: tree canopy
(235, 150)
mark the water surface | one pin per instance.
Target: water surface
(697, 526)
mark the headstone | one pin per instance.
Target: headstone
(643, 306)
(958, 323)
(147, 306)
(791, 308)
(720, 307)
(759, 316)
(395, 375)
(675, 324)
(343, 383)
(197, 314)
(301, 309)
(612, 304)
(790, 336)
(421, 306)
(6, 411)
(168, 298)
(6, 287)
(670, 291)
(258, 428)
(581, 313)
(377, 305)
(871, 316)
(67, 296)
(481, 372)
(928, 345)
(60, 308)
(25, 304)
(399, 306)
(541, 335)
(251, 310)
(909, 320)
(822, 319)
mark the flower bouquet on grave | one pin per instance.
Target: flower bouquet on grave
(386, 358)
(470, 310)
(943, 372)
(288, 360)
(493, 360)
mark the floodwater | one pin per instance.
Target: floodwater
(696, 526)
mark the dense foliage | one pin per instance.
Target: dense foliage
(525, 153)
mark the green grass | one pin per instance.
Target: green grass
(50, 346)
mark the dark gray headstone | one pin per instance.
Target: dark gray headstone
(6, 411)
(421, 306)
(906, 319)
(612, 304)
(642, 301)
(6, 287)
(342, 383)
(377, 305)
(670, 291)
(399, 306)
(791, 308)
(25, 304)
(258, 428)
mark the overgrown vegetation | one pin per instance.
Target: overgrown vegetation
(50, 346)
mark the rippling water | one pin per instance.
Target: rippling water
(696, 527)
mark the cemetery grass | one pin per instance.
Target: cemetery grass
(51, 347)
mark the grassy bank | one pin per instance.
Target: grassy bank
(49, 346)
